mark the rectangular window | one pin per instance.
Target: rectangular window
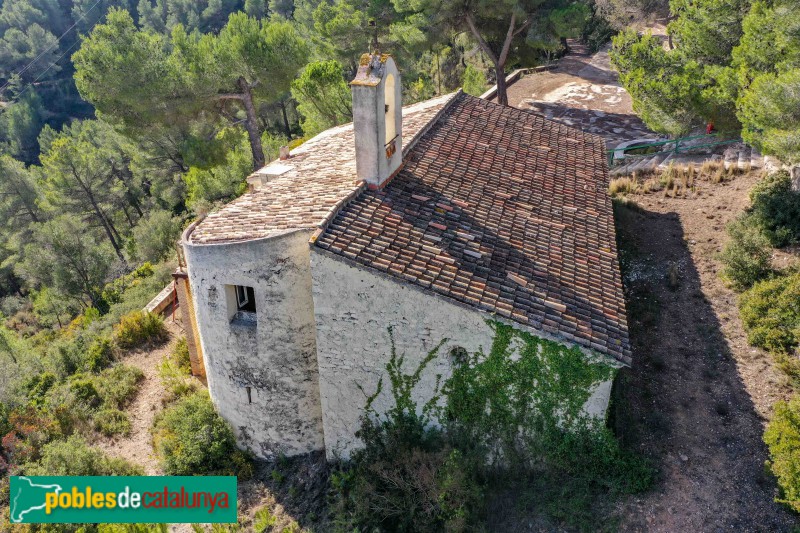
(241, 303)
(245, 299)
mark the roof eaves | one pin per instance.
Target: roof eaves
(618, 359)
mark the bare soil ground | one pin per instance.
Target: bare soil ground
(697, 396)
(137, 447)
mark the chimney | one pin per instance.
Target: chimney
(377, 118)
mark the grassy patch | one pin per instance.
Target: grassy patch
(138, 329)
(783, 439)
(176, 373)
(112, 422)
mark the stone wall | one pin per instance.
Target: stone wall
(189, 319)
(262, 374)
(353, 308)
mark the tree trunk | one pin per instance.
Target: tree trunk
(498, 60)
(106, 226)
(113, 228)
(127, 216)
(286, 121)
(502, 93)
(251, 124)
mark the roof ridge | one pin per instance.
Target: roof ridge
(361, 186)
(423, 130)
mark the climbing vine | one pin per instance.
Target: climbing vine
(521, 395)
(517, 411)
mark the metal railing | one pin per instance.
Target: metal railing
(611, 153)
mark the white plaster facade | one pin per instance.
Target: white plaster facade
(353, 308)
(319, 343)
(294, 379)
(275, 356)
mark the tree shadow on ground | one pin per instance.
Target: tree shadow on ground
(683, 403)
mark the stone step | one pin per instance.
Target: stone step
(639, 164)
(731, 156)
(621, 170)
(744, 158)
(666, 161)
(655, 161)
(756, 159)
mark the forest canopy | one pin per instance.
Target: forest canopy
(735, 64)
(121, 115)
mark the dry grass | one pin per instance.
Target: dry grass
(675, 181)
(622, 186)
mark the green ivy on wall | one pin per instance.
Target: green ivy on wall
(515, 414)
(523, 391)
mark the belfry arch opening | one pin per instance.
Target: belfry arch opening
(389, 94)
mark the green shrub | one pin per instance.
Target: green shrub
(776, 208)
(139, 328)
(783, 439)
(175, 372)
(510, 417)
(38, 385)
(770, 312)
(114, 291)
(73, 457)
(111, 422)
(85, 392)
(747, 256)
(409, 476)
(99, 355)
(191, 438)
(118, 385)
(180, 356)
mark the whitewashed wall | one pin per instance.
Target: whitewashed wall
(353, 308)
(275, 357)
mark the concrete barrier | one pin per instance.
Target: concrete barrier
(163, 299)
(514, 76)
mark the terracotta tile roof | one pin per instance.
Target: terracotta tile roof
(503, 210)
(320, 173)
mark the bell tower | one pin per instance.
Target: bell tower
(377, 118)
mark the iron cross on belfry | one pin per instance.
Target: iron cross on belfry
(375, 45)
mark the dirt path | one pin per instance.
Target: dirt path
(698, 394)
(137, 447)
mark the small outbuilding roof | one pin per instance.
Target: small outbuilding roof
(502, 210)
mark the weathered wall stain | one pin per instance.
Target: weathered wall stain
(275, 356)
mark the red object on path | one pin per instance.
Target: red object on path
(709, 128)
